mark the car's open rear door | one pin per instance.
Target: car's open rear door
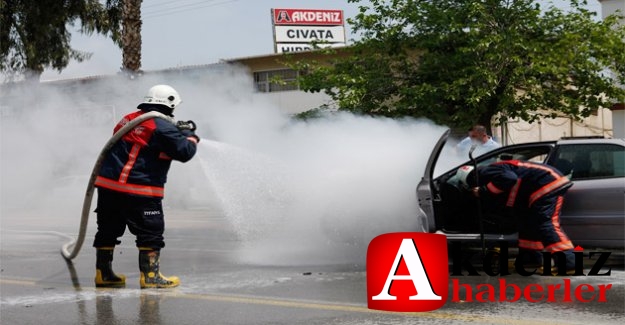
(424, 189)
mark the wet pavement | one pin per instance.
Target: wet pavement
(222, 283)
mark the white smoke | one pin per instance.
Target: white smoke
(316, 190)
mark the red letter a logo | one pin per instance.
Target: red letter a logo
(407, 272)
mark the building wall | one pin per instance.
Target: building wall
(608, 7)
(618, 120)
(516, 131)
(294, 102)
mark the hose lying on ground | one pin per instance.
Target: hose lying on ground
(86, 205)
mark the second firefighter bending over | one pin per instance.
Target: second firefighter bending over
(535, 193)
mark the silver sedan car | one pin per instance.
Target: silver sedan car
(593, 214)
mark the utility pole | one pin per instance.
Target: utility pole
(131, 37)
(609, 7)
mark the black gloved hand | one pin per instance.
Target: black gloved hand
(190, 134)
(186, 125)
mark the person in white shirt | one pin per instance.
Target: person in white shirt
(478, 136)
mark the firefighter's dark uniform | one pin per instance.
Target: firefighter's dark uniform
(132, 178)
(535, 192)
(130, 187)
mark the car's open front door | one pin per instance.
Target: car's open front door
(424, 189)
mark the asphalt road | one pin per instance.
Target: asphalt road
(225, 280)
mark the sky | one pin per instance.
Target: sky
(193, 32)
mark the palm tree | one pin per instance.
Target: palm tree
(131, 36)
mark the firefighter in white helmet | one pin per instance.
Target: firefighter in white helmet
(130, 187)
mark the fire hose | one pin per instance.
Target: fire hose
(76, 244)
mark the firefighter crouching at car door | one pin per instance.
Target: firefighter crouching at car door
(535, 193)
(130, 187)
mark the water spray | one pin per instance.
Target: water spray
(86, 206)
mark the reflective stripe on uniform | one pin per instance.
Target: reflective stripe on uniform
(513, 193)
(561, 246)
(132, 158)
(144, 190)
(538, 166)
(547, 188)
(493, 189)
(558, 182)
(564, 243)
(531, 244)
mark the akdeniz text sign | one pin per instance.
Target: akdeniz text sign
(316, 17)
(303, 27)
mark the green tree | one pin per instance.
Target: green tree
(460, 62)
(34, 33)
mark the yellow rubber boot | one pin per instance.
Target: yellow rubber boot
(151, 276)
(104, 275)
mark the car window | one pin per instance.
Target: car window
(591, 161)
(532, 153)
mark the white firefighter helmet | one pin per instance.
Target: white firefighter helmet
(463, 173)
(163, 95)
